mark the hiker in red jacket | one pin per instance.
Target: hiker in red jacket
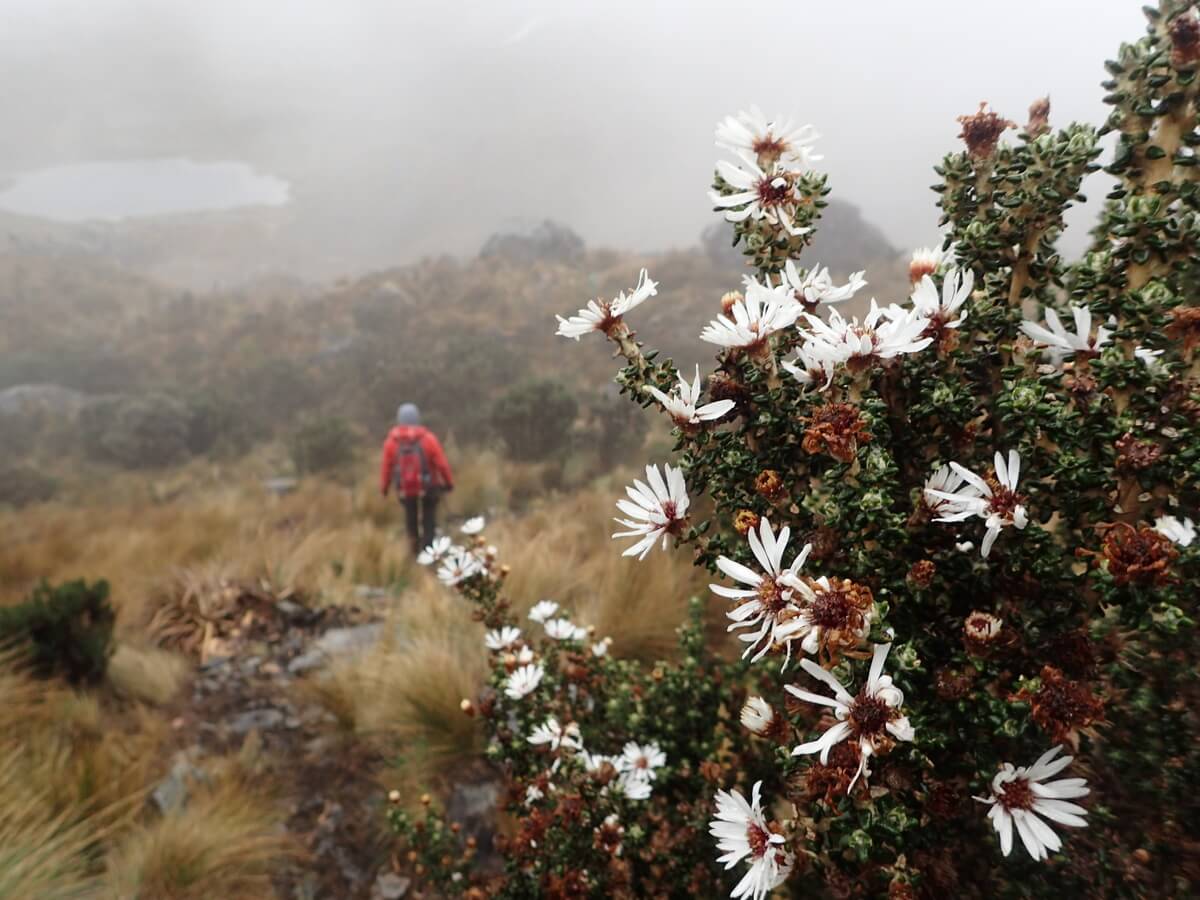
(413, 462)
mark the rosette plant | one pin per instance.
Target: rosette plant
(954, 532)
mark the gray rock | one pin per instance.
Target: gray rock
(472, 804)
(290, 610)
(256, 719)
(171, 793)
(389, 886)
(306, 662)
(369, 592)
(343, 641)
(280, 487)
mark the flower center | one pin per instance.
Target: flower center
(758, 838)
(830, 609)
(868, 714)
(770, 595)
(1017, 795)
(1004, 502)
(773, 191)
(769, 147)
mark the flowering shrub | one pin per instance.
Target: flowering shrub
(953, 537)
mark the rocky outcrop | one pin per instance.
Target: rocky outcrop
(528, 242)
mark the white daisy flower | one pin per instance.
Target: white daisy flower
(592, 762)
(600, 648)
(1149, 358)
(655, 510)
(1023, 798)
(523, 681)
(1182, 532)
(543, 611)
(436, 551)
(1059, 342)
(565, 630)
(681, 402)
(927, 260)
(815, 363)
(767, 596)
(751, 135)
(641, 760)
(816, 286)
(473, 525)
(941, 311)
(525, 656)
(996, 501)
(757, 715)
(502, 638)
(458, 566)
(633, 786)
(761, 312)
(742, 833)
(882, 334)
(533, 794)
(945, 492)
(873, 718)
(605, 315)
(759, 194)
(556, 736)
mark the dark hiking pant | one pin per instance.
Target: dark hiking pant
(420, 517)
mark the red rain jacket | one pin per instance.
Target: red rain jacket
(408, 480)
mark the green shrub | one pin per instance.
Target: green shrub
(323, 443)
(137, 432)
(22, 484)
(69, 628)
(534, 419)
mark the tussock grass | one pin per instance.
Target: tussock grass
(222, 844)
(148, 674)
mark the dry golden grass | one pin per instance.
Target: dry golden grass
(224, 844)
(148, 674)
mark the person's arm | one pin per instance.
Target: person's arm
(437, 459)
(385, 468)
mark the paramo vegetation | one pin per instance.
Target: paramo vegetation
(953, 538)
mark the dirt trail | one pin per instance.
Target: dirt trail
(325, 781)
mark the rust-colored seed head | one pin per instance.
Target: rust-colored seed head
(744, 521)
(1185, 40)
(1137, 554)
(1060, 705)
(831, 781)
(769, 484)
(836, 429)
(921, 574)
(1134, 455)
(952, 685)
(1039, 117)
(981, 629)
(1185, 326)
(982, 130)
(722, 386)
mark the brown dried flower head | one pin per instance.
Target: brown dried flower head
(953, 685)
(837, 429)
(831, 781)
(1061, 706)
(1133, 455)
(1039, 117)
(1185, 40)
(745, 521)
(982, 130)
(921, 574)
(1137, 554)
(729, 300)
(841, 609)
(1185, 326)
(769, 484)
(723, 386)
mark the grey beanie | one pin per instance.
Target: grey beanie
(408, 414)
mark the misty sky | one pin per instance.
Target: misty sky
(421, 127)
